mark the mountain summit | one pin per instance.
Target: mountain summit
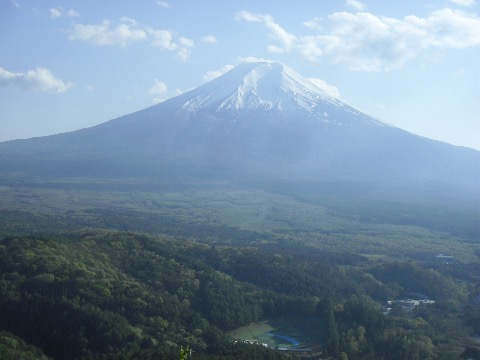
(266, 87)
(250, 86)
(258, 120)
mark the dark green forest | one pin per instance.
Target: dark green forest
(95, 294)
(102, 275)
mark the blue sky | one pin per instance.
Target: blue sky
(66, 65)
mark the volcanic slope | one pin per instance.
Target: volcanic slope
(259, 120)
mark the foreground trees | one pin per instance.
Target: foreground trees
(108, 294)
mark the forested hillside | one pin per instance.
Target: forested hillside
(95, 294)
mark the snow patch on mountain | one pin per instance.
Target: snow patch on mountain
(258, 85)
(266, 86)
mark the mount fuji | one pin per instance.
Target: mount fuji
(259, 120)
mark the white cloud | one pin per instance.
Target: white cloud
(447, 28)
(213, 74)
(15, 3)
(276, 31)
(128, 31)
(163, 4)
(184, 51)
(355, 5)
(55, 13)
(331, 90)
(463, 2)
(72, 13)
(315, 24)
(183, 54)
(159, 91)
(209, 39)
(366, 42)
(186, 42)
(39, 80)
(105, 34)
(210, 75)
(255, 59)
(162, 39)
(58, 12)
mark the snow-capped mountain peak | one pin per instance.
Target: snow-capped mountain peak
(267, 85)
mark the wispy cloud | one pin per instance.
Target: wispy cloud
(184, 53)
(366, 42)
(463, 2)
(331, 90)
(72, 13)
(254, 59)
(58, 12)
(186, 42)
(185, 48)
(105, 34)
(159, 91)
(55, 13)
(38, 80)
(213, 74)
(355, 5)
(162, 39)
(286, 39)
(163, 4)
(127, 31)
(209, 39)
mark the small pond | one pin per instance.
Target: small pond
(285, 332)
